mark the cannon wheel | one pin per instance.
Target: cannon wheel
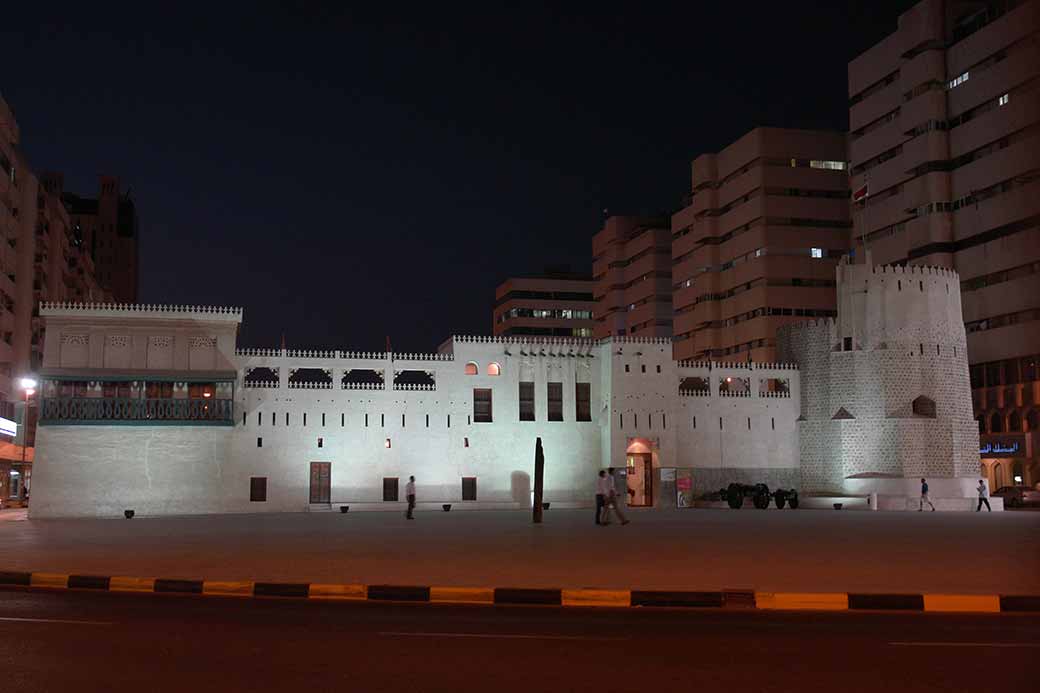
(781, 499)
(735, 496)
(761, 500)
(793, 501)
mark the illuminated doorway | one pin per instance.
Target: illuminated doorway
(639, 459)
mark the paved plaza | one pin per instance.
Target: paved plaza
(801, 550)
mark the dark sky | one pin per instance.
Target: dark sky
(345, 175)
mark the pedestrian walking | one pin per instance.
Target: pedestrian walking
(924, 497)
(601, 497)
(409, 493)
(983, 496)
(613, 500)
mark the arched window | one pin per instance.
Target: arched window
(982, 424)
(1014, 421)
(998, 476)
(924, 406)
(472, 368)
(1032, 419)
(494, 369)
(996, 423)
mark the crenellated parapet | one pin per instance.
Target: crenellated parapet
(139, 310)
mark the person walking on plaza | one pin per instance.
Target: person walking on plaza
(601, 497)
(613, 500)
(983, 496)
(924, 497)
(409, 493)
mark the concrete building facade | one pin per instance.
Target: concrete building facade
(756, 244)
(41, 259)
(108, 225)
(886, 398)
(632, 268)
(554, 304)
(945, 140)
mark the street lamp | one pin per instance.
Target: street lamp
(29, 386)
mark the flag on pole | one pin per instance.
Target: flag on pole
(861, 193)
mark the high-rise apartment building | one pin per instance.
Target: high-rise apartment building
(632, 268)
(756, 245)
(41, 259)
(108, 225)
(556, 303)
(944, 117)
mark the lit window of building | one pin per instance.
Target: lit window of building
(816, 252)
(957, 81)
(1002, 101)
(831, 165)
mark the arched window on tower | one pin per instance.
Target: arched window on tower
(924, 406)
(996, 423)
(494, 369)
(472, 368)
(1014, 421)
(982, 425)
(1032, 419)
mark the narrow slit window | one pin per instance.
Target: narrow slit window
(259, 442)
(321, 442)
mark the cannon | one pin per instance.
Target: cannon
(735, 493)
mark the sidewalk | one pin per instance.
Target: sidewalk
(779, 551)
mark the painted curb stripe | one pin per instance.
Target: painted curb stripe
(219, 588)
(398, 593)
(50, 580)
(892, 602)
(808, 601)
(976, 603)
(738, 599)
(281, 589)
(1012, 602)
(608, 598)
(131, 584)
(88, 582)
(320, 591)
(676, 598)
(15, 578)
(178, 586)
(462, 595)
(522, 595)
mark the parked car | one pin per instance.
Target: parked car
(1015, 496)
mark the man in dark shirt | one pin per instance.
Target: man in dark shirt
(924, 497)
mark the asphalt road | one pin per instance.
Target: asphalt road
(103, 642)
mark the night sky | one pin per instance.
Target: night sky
(344, 175)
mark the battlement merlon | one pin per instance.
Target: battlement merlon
(67, 309)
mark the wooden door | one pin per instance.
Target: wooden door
(321, 482)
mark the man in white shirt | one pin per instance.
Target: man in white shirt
(983, 496)
(602, 491)
(409, 493)
(611, 501)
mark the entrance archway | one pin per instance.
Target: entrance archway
(639, 459)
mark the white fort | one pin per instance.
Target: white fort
(153, 408)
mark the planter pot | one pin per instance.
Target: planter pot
(447, 507)
(128, 514)
(344, 508)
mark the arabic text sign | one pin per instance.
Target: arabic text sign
(1002, 446)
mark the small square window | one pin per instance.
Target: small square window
(259, 442)
(817, 252)
(321, 442)
(386, 443)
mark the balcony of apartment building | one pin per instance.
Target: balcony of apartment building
(686, 216)
(1004, 160)
(882, 96)
(1001, 110)
(998, 74)
(1005, 204)
(878, 139)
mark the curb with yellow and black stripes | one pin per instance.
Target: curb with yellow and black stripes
(723, 599)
